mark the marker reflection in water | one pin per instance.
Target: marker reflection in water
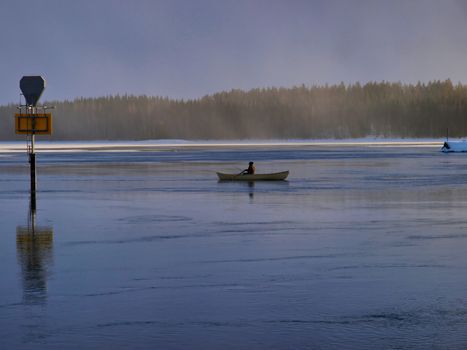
(34, 247)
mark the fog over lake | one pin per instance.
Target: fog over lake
(139, 246)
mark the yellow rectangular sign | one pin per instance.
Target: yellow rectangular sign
(38, 123)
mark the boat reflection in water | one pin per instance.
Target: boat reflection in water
(251, 192)
(34, 246)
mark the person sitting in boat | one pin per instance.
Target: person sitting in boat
(251, 169)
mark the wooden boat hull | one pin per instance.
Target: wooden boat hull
(254, 177)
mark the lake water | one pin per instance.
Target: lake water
(364, 247)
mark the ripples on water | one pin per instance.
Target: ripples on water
(362, 248)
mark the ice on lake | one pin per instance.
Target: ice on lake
(364, 247)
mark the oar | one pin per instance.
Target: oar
(243, 171)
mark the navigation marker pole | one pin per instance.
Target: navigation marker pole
(32, 161)
(31, 122)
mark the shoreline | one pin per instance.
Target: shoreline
(76, 146)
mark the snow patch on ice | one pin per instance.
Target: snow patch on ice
(115, 146)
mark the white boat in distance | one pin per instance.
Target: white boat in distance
(454, 146)
(254, 177)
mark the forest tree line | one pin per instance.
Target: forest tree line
(384, 109)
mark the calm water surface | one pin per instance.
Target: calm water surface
(362, 248)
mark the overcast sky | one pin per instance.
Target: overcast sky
(186, 49)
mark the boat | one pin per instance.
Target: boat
(254, 177)
(454, 146)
